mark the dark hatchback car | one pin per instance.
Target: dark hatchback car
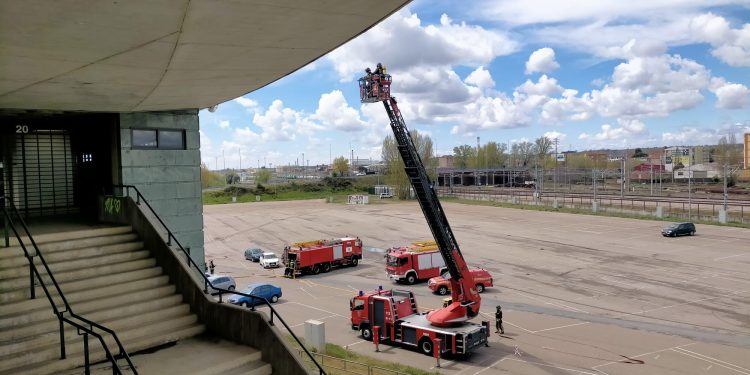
(253, 254)
(679, 229)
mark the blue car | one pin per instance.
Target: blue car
(270, 292)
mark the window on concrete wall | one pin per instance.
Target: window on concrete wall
(158, 139)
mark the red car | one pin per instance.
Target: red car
(441, 284)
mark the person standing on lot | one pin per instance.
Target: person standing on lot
(211, 266)
(499, 320)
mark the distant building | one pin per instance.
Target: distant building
(677, 156)
(697, 172)
(647, 171)
(746, 151)
(445, 161)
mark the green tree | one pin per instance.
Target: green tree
(396, 176)
(638, 153)
(209, 178)
(522, 154)
(340, 166)
(262, 175)
(463, 156)
(542, 148)
(232, 178)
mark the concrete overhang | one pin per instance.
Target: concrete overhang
(149, 55)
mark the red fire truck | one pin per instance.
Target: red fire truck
(395, 314)
(314, 257)
(418, 261)
(392, 315)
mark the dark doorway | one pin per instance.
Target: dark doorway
(56, 164)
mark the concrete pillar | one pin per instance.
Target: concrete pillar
(315, 335)
(722, 216)
(514, 200)
(660, 212)
(594, 206)
(555, 203)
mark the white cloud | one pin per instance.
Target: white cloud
(545, 86)
(224, 124)
(481, 78)
(629, 129)
(731, 46)
(730, 95)
(690, 136)
(402, 43)
(279, 123)
(560, 11)
(542, 60)
(247, 103)
(555, 134)
(335, 113)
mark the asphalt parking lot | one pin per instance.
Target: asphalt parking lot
(581, 294)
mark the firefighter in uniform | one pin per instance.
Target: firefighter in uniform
(499, 320)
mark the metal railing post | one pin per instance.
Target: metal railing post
(62, 339)
(31, 278)
(87, 370)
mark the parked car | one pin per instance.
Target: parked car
(679, 229)
(441, 284)
(269, 260)
(268, 291)
(220, 281)
(253, 254)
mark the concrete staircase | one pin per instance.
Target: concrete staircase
(107, 277)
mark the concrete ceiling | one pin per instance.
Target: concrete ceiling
(149, 55)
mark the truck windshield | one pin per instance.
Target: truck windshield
(395, 261)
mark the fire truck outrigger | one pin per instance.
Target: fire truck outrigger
(392, 315)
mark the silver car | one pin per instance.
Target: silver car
(222, 282)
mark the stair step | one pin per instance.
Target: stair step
(71, 235)
(124, 322)
(132, 338)
(254, 368)
(72, 275)
(75, 264)
(87, 307)
(56, 366)
(82, 253)
(48, 326)
(24, 307)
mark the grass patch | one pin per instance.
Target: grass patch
(339, 361)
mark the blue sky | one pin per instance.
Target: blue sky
(603, 74)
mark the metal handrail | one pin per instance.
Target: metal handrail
(33, 271)
(207, 283)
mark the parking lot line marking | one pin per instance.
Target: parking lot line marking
(354, 343)
(565, 326)
(308, 293)
(596, 368)
(713, 361)
(546, 365)
(506, 321)
(731, 256)
(323, 318)
(319, 309)
(311, 283)
(588, 231)
(549, 303)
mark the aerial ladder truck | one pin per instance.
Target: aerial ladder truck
(394, 314)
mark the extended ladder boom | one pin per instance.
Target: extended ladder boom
(466, 300)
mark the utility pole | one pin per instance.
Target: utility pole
(555, 183)
(224, 159)
(478, 180)
(240, 151)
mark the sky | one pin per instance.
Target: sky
(605, 74)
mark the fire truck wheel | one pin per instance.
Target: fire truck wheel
(354, 262)
(366, 333)
(411, 279)
(326, 267)
(480, 288)
(315, 269)
(443, 290)
(425, 346)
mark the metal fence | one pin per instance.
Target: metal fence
(738, 211)
(339, 366)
